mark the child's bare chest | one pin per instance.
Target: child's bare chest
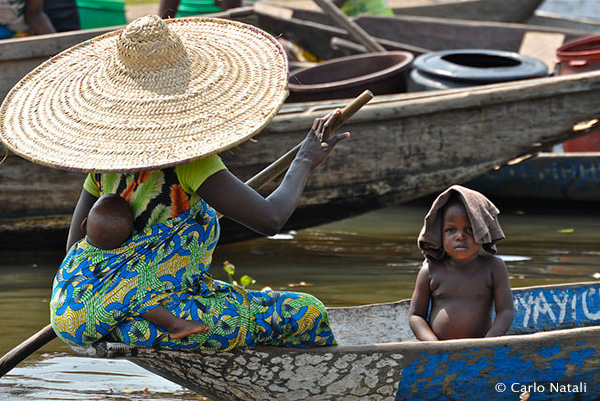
(461, 284)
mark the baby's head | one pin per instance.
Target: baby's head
(109, 222)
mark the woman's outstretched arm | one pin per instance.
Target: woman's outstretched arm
(236, 200)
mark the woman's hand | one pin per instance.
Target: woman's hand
(319, 143)
(236, 200)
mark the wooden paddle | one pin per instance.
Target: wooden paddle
(16, 355)
(352, 27)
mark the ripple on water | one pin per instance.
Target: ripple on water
(62, 377)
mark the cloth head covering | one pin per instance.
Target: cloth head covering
(482, 215)
(151, 95)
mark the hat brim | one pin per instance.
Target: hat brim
(78, 112)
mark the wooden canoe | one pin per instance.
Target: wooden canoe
(554, 19)
(481, 10)
(314, 32)
(557, 177)
(581, 14)
(402, 147)
(551, 351)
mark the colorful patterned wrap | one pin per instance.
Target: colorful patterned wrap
(101, 294)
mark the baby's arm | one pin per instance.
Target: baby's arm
(419, 306)
(503, 300)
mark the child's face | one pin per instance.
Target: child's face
(457, 234)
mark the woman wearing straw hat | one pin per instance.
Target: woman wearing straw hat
(145, 111)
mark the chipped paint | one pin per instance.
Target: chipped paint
(549, 364)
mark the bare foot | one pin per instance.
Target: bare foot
(184, 328)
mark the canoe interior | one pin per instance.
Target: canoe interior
(490, 10)
(537, 309)
(481, 10)
(314, 31)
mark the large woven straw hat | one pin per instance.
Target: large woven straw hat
(153, 95)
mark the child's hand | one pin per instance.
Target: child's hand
(319, 143)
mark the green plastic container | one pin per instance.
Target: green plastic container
(188, 8)
(101, 13)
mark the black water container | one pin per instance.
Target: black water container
(469, 67)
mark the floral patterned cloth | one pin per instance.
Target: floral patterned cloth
(102, 293)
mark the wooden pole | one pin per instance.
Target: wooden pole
(16, 355)
(352, 27)
(273, 170)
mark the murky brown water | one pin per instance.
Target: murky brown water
(371, 258)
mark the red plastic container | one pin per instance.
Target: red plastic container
(577, 56)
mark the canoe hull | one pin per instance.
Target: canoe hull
(556, 177)
(402, 147)
(552, 350)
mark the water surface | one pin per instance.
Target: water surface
(367, 259)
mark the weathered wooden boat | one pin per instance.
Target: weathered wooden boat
(314, 32)
(550, 351)
(581, 14)
(309, 29)
(545, 18)
(481, 10)
(550, 176)
(404, 146)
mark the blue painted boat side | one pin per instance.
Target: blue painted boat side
(547, 371)
(561, 365)
(559, 177)
(555, 307)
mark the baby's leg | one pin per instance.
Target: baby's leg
(177, 327)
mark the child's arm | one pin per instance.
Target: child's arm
(36, 18)
(419, 306)
(503, 300)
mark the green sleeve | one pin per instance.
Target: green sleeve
(90, 185)
(192, 175)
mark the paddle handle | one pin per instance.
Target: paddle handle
(13, 357)
(274, 169)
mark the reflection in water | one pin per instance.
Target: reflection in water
(63, 377)
(371, 258)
